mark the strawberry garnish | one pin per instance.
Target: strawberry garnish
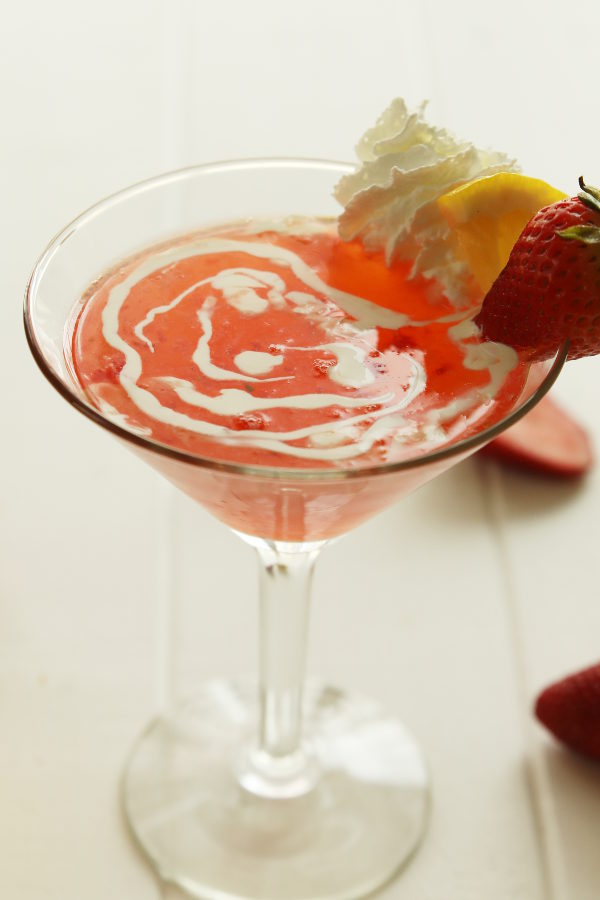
(546, 440)
(570, 709)
(549, 290)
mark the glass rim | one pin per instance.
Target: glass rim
(270, 472)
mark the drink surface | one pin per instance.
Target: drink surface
(278, 344)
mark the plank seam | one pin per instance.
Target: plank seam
(542, 805)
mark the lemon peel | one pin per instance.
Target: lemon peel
(487, 216)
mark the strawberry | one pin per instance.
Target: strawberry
(549, 290)
(547, 440)
(570, 709)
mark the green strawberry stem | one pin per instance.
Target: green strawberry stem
(586, 234)
(590, 195)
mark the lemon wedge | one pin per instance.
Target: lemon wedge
(487, 215)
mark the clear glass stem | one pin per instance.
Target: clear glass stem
(285, 581)
(281, 764)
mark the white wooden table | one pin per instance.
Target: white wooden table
(115, 594)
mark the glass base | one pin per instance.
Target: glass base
(361, 817)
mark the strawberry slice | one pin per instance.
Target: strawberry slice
(570, 709)
(547, 440)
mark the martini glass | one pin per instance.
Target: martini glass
(277, 790)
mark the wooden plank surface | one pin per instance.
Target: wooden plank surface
(115, 594)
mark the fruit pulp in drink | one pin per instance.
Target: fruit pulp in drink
(278, 344)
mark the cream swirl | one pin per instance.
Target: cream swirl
(357, 409)
(253, 292)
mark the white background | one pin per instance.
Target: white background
(455, 607)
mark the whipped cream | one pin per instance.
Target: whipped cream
(390, 201)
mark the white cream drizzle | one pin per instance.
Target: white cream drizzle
(498, 359)
(234, 402)
(201, 355)
(254, 362)
(350, 370)
(252, 292)
(364, 313)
